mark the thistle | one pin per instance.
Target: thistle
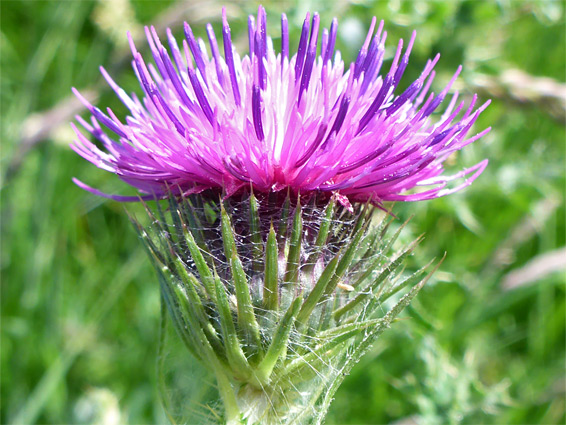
(275, 265)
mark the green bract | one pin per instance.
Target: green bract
(278, 298)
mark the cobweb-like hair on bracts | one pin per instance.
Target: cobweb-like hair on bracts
(275, 121)
(281, 298)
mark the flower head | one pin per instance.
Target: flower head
(278, 121)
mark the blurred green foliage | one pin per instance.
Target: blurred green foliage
(80, 302)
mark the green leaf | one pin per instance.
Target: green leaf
(406, 299)
(181, 318)
(148, 244)
(187, 278)
(331, 344)
(201, 342)
(372, 241)
(369, 271)
(333, 338)
(393, 238)
(377, 301)
(163, 393)
(361, 348)
(157, 227)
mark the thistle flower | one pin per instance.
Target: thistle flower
(278, 121)
(280, 290)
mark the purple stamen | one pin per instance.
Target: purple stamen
(324, 44)
(364, 49)
(215, 53)
(107, 121)
(195, 50)
(174, 78)
(310, 56)
(175, 49)
(284, 37)
(307, 155)
(256, 108)
(251, 35)
(294, 128)
(160, 103)
(262, 77)
(301, 51)
(201, 98)
(227, 40)
(339, 118)
(331, 41)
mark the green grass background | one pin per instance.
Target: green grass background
(80, 302)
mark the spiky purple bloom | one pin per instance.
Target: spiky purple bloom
(276, 121)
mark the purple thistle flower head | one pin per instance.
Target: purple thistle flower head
(276, 121)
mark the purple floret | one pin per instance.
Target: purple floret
(279, 122)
